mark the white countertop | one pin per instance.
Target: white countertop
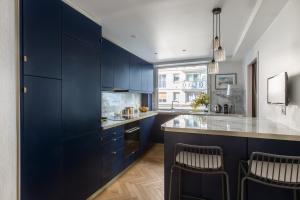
(231, 126)
(111, 124)
(189, 112)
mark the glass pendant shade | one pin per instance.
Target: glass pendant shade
(213, 67)
(216, 43)
(220, 55)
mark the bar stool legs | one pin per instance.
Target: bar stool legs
(225, 189)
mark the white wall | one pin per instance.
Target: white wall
(229, 67)
(279, 51)
(8, 100)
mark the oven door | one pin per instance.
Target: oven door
(132, 141)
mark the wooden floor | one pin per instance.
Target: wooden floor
(143, 181)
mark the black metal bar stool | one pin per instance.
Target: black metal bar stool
(272, 170)
(198, 159)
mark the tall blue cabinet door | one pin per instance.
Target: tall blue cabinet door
(146, 130)
(41, 149)
(82, 166)
(135, 73)
(80, 87)
(107, 65)
(121, 68)
(42, 37)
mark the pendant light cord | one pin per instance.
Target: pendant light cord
(213, 36)
(219, 29)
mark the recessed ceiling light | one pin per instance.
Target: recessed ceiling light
(184, 50)
(133, 36)
(155, 53)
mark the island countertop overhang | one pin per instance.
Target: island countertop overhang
(231, 126)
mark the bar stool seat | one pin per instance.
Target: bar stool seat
(201, 161)
(272, 170)
(281, 172)
(198, 159)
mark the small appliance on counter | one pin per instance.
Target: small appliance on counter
(217, 108)
(226, 109)
(127, 111)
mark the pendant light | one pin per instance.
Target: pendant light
(213, 66)
(220, 52)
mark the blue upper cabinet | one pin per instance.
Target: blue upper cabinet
(121, 68)
(80, 27)
(147, 78)
(42, 38)
(135, 77)
(107, 66)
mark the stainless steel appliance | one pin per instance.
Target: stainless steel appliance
(132, 139)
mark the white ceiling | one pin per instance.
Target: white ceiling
(167, 27)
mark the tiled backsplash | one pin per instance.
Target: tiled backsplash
(113, 102)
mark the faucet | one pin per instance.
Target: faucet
(172, 108)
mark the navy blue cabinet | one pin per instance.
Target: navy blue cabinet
(135, 73)
(41, 28)
(121, 68)
(112, 153)
(41, 150)
(107, 65)
(80, 27)
(146, 133)
(82, 166)
(147, 78)
(80, 87)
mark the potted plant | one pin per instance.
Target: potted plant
(201, 100)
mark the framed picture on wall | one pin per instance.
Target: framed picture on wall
(222, 80)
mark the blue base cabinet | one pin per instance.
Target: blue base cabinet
(82, 166)
(41, 149)
(112, 153)
(146, 133)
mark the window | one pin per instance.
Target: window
(162, 97)
(181, 84)
(176, 78)
(191, 96)
(176, 96)
(162, 80)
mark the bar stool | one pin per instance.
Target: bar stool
(198, 159)
(272, 170)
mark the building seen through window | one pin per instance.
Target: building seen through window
(180, 86)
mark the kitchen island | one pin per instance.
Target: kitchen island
(238, 137)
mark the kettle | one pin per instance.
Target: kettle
(217, 108)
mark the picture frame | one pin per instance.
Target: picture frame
(222, 80)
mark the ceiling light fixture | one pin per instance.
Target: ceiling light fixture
(213, 66)
(220, 52)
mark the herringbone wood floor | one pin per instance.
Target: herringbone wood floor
(144, 181)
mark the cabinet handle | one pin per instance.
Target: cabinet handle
(25, 90)
(114, 133)
(114, 153)
(115, 139)
(25, 59)
(101, 139)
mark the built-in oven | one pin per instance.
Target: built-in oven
(132, 139)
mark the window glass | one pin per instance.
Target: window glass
(180, 86)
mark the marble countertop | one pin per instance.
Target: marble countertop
(111, 124)
(231, 126)
(188, 112)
